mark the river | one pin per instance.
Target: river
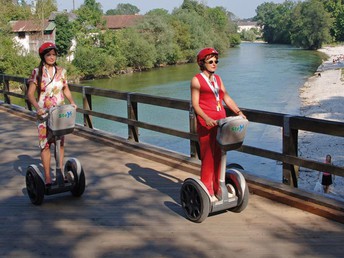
(256, 75)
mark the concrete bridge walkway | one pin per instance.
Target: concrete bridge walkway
(131, 208)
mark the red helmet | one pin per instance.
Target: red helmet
(205, 52)
(46, 47)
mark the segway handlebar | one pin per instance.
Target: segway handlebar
(231, 132)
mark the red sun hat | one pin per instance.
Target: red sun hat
(205, 52)
(45, 47)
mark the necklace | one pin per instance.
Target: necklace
(214, 88)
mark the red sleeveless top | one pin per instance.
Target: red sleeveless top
(207, 99)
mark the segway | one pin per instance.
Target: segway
(233, 194)
(60, 121)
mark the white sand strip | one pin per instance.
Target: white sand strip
(322, 97)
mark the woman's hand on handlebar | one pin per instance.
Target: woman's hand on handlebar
(41, 111)
(74, 105)
(211, 122)
(240, 113)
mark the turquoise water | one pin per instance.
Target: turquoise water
(256, 75)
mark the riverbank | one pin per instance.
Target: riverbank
(322, 96)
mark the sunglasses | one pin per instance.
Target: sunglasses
(212, 61)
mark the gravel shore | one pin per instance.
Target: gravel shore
(322, 97)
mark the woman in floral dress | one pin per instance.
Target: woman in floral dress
(50, 83)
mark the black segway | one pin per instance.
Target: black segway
(234, 194)
(60, 121)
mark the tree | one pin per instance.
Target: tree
(124, 9)
(64, 33)
(93, 62)
(157, 30)
(89, 14)
(142, 54)
(248, 35)
(336, 10)
(11, 12)
(11, 62)
(157, 12)
(113, 42)
(275, 20)
(193, 5)
(311, 25)
(44, 8)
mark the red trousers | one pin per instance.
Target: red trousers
(210, 157)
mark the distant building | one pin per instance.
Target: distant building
(30, 34)
(117, 22)
(247, 25)
(71, 16)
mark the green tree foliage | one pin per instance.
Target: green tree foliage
(157, 32)
(123, 9)
(89, 15)
(44, 8)
(307, 24)
(311, 25)
(248, 35)
(11, 62)
(140, 53)
(275, 20)
(64, 33)
(159, 39)
(157, 12)
(93, 62)
(11, 12)
(336, 9)
(113, 42)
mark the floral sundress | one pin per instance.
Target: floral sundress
(51, 95)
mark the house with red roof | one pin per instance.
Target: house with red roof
(117, 22)
(30, 34)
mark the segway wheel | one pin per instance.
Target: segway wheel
(234, 165)
(244, 202)
(194, 201)
(242, 192)
(34, 185)
(78, 176)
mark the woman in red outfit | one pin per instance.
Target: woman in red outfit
(207, 96)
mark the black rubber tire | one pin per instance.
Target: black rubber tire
(234, 165)
(243, 194)
(194, 201)
(79, 182)
(34, 186)
(242, 206)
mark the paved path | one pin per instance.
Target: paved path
(131, 208)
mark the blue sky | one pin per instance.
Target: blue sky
(241, 8)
